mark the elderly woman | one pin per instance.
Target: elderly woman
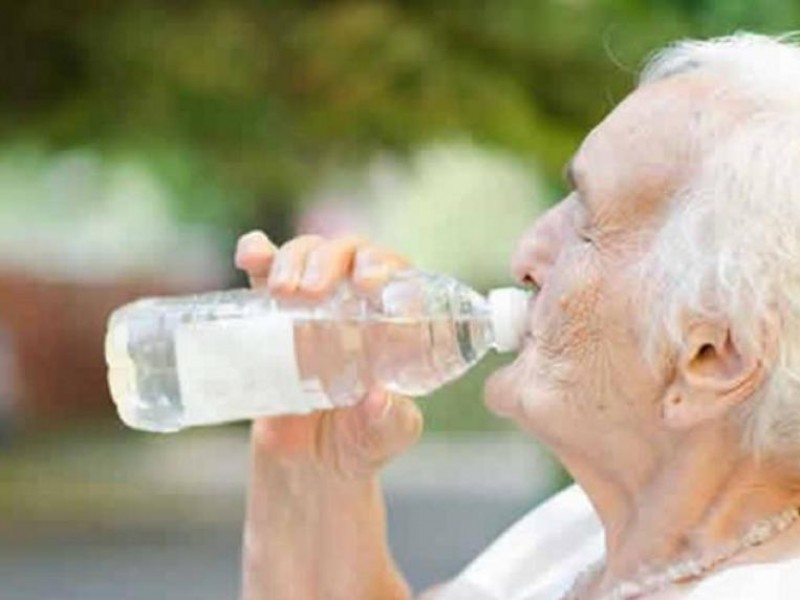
(662, 367)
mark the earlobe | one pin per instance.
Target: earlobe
(670, 407)
(682, 411)
(714, 374)
(698, 406)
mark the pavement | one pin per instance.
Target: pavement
(160, 516)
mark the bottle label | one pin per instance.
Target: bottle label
(230, 370)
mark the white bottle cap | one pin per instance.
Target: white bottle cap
(509, 307)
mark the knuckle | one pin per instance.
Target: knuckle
(328, 263)
(343, 249)
(303, 242)
(351, 242)
(323, 250)
(289, 261)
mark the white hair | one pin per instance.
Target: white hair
(731, 246)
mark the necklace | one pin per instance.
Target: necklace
(655, 580)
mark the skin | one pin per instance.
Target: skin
(656, 447)
(316, 525)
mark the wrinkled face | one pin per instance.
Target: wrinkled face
(582, 369)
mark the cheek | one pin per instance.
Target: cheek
(550, 399)
(552, 369)
(584, 365)
(569, 324)
(511, 389)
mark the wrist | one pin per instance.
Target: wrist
(310, 533)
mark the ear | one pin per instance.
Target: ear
(715, 373)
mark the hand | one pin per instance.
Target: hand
(349, 442)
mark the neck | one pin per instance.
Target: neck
(686, 501)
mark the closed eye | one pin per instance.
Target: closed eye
(582, 225)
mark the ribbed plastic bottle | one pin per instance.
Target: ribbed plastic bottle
(240, 354)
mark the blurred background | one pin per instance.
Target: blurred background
(138, 139)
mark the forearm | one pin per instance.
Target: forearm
(310, 535)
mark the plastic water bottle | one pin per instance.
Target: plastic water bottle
(240, 354)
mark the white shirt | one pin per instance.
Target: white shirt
(539, 557)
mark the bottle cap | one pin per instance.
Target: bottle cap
(509, 307)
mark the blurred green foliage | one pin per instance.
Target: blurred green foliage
(241, 107)
(255, 98)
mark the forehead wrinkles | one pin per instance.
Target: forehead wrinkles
(647, 148)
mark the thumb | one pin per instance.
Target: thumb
(390, 424)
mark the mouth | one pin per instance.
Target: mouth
(532, 317)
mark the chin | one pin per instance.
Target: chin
(510, 388)
(521, 391)
(499, 396)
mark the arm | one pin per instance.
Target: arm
(315, 525)
(313, 536)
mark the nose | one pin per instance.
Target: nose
(538, 248)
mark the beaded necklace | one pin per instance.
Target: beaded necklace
(656, 580)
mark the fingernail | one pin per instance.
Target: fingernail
(279, 275)
(312, 277)
(250, 241)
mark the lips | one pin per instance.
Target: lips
(532, 301)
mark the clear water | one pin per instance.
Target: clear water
(419, 334)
